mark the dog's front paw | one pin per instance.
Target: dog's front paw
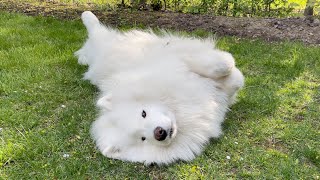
(221, 66)
(216, 65)
(111, 152)
(213, 64)
(82, 58)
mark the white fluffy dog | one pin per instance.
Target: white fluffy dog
(162, 97)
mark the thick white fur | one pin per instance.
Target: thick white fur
(183, 84)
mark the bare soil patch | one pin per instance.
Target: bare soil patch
(306, 30)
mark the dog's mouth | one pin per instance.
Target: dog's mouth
(172, 131)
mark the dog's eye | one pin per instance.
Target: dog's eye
(143, 114)
(143, 138)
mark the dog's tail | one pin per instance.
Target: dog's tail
(90, 21)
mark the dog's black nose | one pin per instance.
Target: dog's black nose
(160, 134)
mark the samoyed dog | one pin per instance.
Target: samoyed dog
(162, 97)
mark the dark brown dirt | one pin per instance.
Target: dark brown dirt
(306, 30)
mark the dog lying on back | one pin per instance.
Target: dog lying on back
(162, 96)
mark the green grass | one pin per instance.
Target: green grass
(189, 6)
(273, 132)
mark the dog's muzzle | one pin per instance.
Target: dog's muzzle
(160, 134)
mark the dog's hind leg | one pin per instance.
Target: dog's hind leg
(90, 21)
(99, 38)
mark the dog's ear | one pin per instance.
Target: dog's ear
(105, 102)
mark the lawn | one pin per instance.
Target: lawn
(46, 109)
